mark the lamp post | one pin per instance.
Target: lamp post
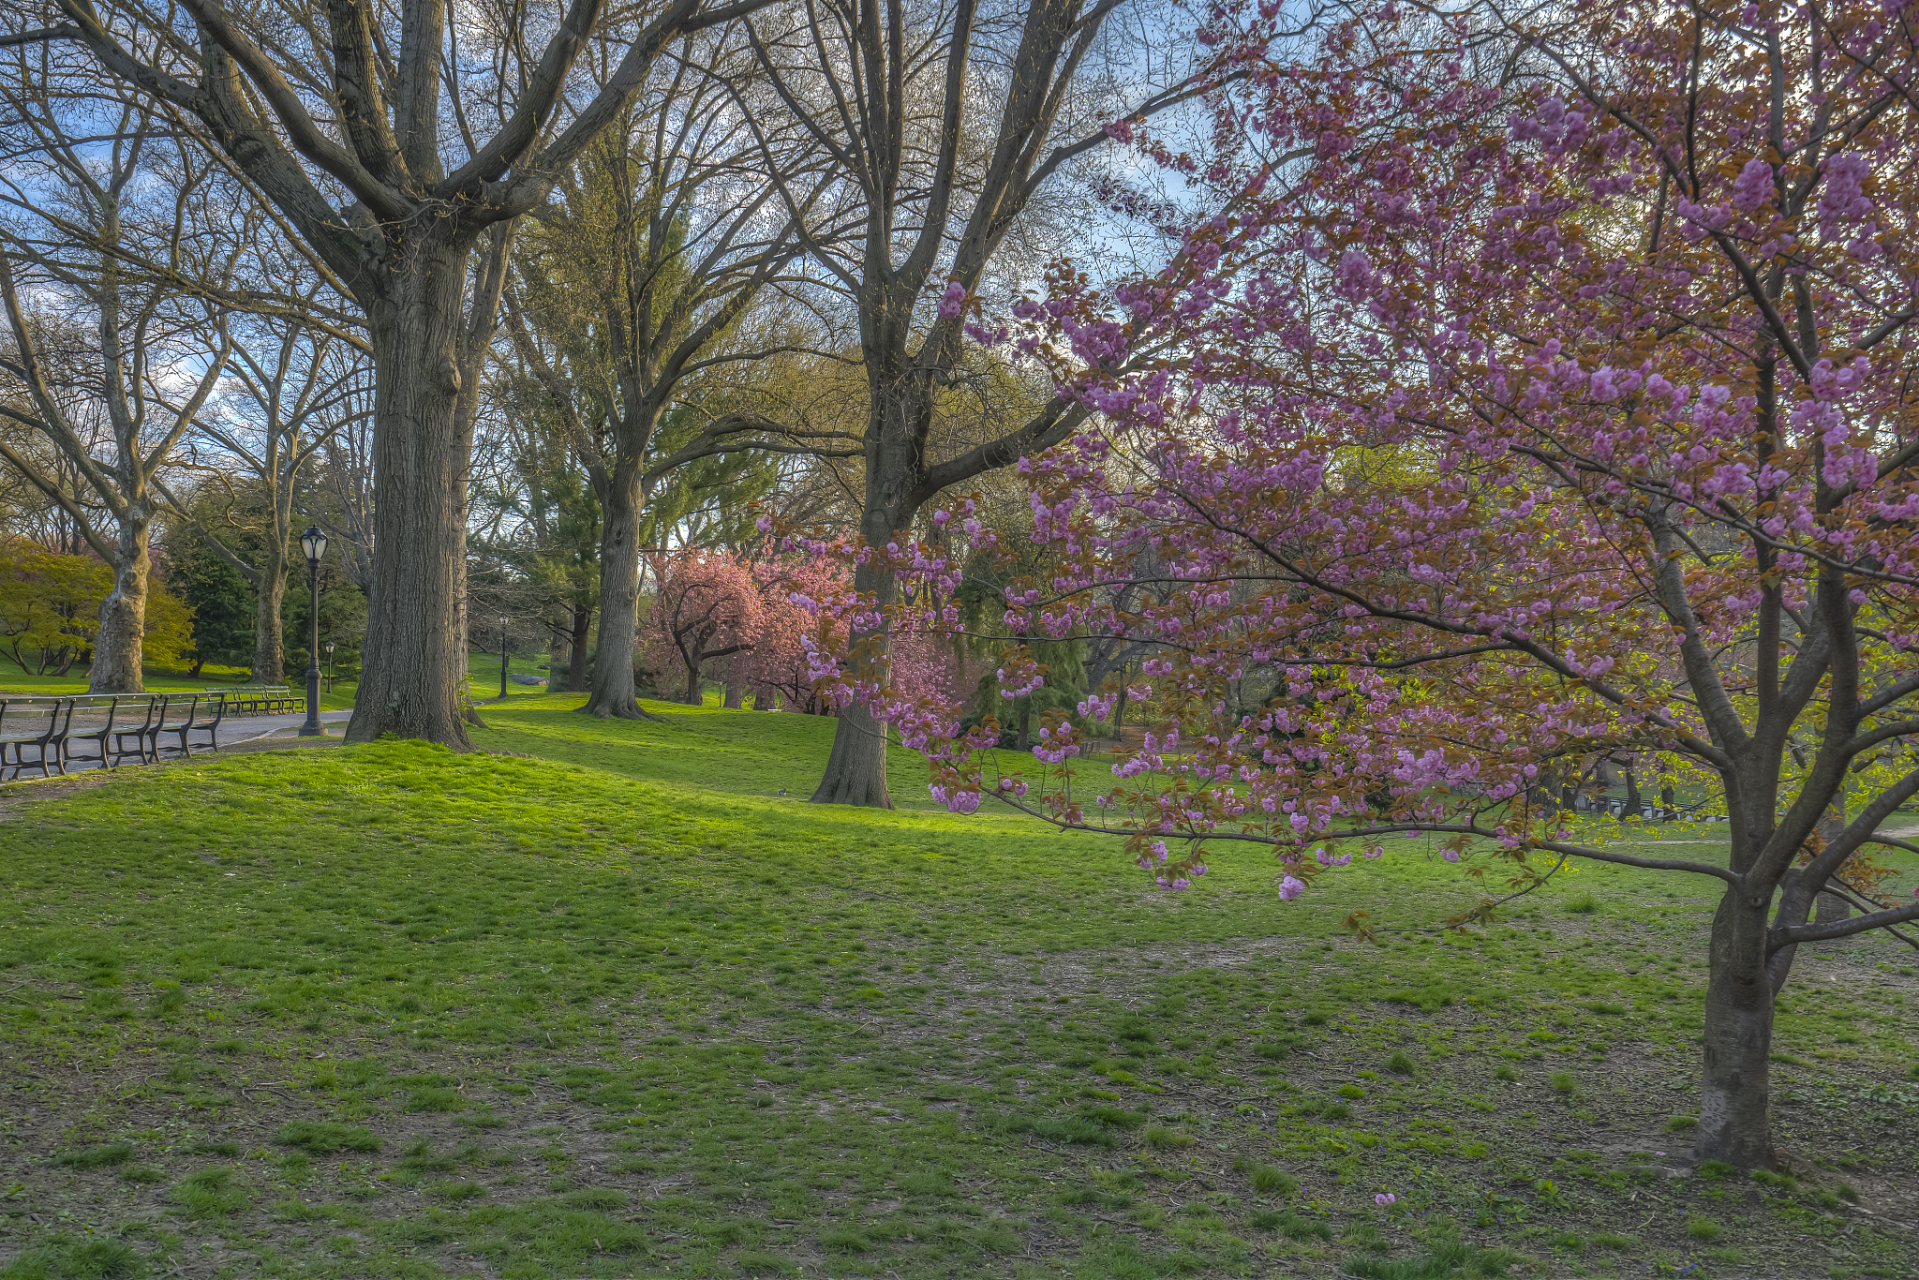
(503, 621)
(313, 542)
(328, 646)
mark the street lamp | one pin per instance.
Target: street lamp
(313, 543)
(328, 646)
(503, 655)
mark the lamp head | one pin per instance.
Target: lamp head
(313, 544)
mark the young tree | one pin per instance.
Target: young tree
(1552, 423)
(109, 364)
(393, 145)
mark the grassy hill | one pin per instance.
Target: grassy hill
(597, 1001)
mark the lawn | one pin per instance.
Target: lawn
(598, 1001)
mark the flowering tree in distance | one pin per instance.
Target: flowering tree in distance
(707, 607)
(1523, 424)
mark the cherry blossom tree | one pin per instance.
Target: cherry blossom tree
(707, 607)
(1555, 405)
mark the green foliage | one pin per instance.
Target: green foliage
(49, 609)
(1401, 1063)
(224, 612)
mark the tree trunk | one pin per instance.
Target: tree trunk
(412, 680)
(856, 769)
(613, 693)
(123, 614)
(695, 687)
(559, 654)
(735, 692)
(1669, 809)
(764, 699)
(1735, 1091)
(576, 665)
(1632, 794)
(269, 655)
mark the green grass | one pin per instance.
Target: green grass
(13, 681)
(597, 1001)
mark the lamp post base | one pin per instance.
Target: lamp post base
(312, 729)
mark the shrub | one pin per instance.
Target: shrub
(1400, 1064)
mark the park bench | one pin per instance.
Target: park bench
(273, 699)
(204, 711)
(48, 738)
(118, 726)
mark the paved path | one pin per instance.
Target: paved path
(237, 729)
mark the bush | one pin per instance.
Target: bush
(1401, 1064)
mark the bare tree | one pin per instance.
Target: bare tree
(289, 388)
(904, 96)
(110, 365)
(393, 141)
(632, 293)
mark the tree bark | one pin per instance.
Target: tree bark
(695, 687)
(856, 768)
(1632, 794)
(612, 688)
(412, 678)
(269, 653)
(1735, 1092)
(559, 651)
(123, 614)
(735, 692)
(576, 667)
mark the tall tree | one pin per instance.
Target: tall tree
(393, 141)
(1635, 338)
(630, 294)
(110, 363)
(950, 120)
